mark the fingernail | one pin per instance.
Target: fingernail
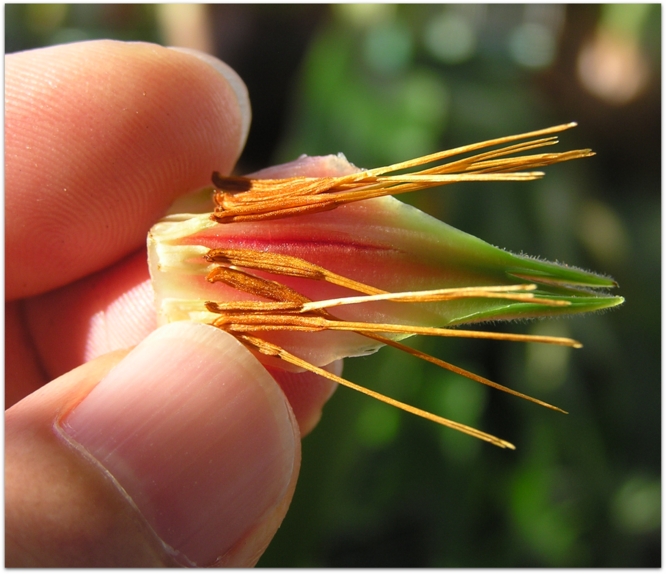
(234, 80)
(196, 433)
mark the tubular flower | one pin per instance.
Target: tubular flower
(308, 269)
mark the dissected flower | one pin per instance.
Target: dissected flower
(308, 269)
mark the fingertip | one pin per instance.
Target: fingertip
(100, 138)
(183, 450)
(307, 393)
(198, 435)
(235, 82)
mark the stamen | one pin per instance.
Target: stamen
(476, 146)
(255, 285)
(273, 350)
(286, 299)
(438, 295)
(458, 370)
(283, 322)
(241, 317)
(244, 199)
(285, 265)
(290, 311)
(435, 295)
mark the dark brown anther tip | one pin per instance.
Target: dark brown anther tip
(231, 184)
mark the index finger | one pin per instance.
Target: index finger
(100, 138)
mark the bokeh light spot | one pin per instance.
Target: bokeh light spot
(637, 505)
(388, 48)
(532, 45)
(612, 68)
(462, 401)
(450, 38)
(377, 424)
(426, 98)
(602, 232)
(363, 15)
(546, 366)
(45, 18)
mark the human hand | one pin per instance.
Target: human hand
(187, 451)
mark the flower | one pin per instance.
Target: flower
(306, 270)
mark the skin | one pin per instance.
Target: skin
(100, 138)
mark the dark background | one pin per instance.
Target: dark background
(383, 83)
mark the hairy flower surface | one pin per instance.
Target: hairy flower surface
(324, 264)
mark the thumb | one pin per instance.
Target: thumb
(186, 452)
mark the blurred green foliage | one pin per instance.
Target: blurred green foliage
(384, 83)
